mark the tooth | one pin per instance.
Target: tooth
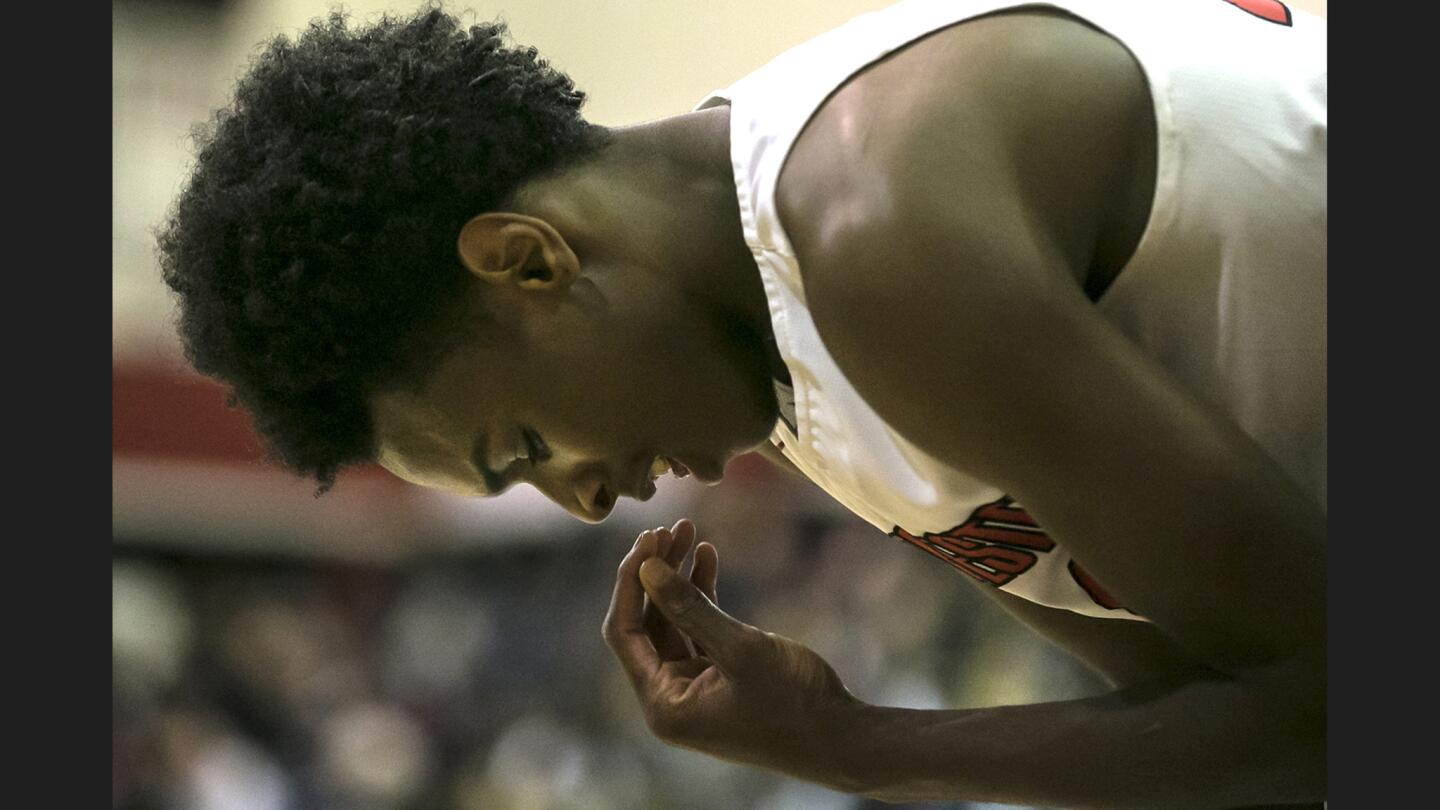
(658, 467)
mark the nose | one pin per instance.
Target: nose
(588, 497)
(597, 499)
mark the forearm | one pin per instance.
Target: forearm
(1203, 742)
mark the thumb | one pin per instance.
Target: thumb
(727, 641)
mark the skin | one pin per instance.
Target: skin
(1001, 168)
(598, 330)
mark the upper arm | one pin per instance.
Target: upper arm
(991, 361)
(951, 304)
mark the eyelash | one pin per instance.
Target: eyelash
(535, 447)
(536, 451)
(493, 483)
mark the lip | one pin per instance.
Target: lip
(707, 472)
(641, 487)
(646, 491)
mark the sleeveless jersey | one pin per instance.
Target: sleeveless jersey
(1226, 288)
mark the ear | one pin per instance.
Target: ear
(508, 248)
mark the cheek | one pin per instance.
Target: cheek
(708, 389)
(652, 377)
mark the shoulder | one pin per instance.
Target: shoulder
(946, 206)
(1002, 134)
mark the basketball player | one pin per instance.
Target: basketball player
(1038, 289)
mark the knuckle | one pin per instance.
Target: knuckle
(687, 602)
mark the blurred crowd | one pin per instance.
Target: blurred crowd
(479, 681)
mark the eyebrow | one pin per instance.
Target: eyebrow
(494, 481)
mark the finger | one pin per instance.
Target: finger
(663, 542)
(669, 643)
(684, 537)
(675, 545)
(666, 541)
(704, 571)
(730, 643)
(624, 628)
(681, 560)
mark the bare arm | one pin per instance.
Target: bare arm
(1126, 653)
(1189, 738)
(1180, 742)
(1160, 497)
(939, 269)
(1049, 404)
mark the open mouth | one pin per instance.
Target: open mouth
(659, 465)
(664, 464)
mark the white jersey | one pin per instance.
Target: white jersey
(1226, 289)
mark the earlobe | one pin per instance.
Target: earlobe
(517, 249)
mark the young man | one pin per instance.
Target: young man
(1037, 289)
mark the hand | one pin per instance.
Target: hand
(741, 694)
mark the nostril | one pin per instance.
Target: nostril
(603, 500)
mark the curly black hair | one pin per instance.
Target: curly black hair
(316, 236)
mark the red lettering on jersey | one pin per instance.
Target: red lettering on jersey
(1101, 596)
(994, 564)
(1272, 10)
(1009, 535)
(998, 544)
(1005, 511)
(995, 545)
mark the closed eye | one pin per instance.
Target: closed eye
(536, 451)
(535, 446)
(495, 482)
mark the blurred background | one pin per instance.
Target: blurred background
(385, 647)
